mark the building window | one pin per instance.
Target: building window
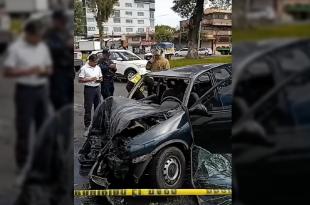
(116, 20)
(152, 14)
(140, 30)
(117, 29)
(106, 29)
(128, 30)
(152, 23)
(140, 21)
(116, 4)
(91, 28)
(140, 5)
(140, 13)
(90, 20)
(128, 20)
(128, 13)
(116, 14)
(128, 4)
(135, 38)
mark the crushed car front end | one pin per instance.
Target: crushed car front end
(135, 132)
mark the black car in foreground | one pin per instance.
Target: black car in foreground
(271, 121)
(175, 124)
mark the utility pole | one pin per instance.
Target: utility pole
(199, 35)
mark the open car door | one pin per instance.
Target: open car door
(211, 154)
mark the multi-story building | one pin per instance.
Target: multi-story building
(131, 20)
(216, 29)
(283, 10)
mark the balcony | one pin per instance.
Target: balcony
(218, 22)
(218, 33)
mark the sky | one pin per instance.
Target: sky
(164, 15)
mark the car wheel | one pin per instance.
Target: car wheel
(130, 73)
(168, 168)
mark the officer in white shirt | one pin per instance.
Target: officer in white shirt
(91, 77)
(29, 62)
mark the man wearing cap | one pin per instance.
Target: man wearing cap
(91, 77)
(60, 43)
(30, 63)
(108, 69)
(158, 62)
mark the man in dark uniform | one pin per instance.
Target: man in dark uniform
(60, 43)
(108, 69)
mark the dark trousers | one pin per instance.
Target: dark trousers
(61, 90)
(31, 104)
(107, 89)
(91, 97)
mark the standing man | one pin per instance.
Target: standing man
(108, 69)
(29, 62)
(91, 76)
(60, 43)
(158, 62)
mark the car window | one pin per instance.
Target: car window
(293, 59)
(287, 108)
(115, 56)
(129, 56)
(250, 86)
(224, 90)
(184, 49)
(219, 98)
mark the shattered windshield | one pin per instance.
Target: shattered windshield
(212, 171)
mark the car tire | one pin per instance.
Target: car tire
(167, 170)
(129, 73)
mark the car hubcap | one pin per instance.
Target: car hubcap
(171, 170)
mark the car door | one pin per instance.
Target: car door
(211, 152)
(119, 61)
(215, 125)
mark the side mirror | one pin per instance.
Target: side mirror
(199, 109)
(119, 59)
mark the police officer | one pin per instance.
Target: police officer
(158, 62)
(108, 69)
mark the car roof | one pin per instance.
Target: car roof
(185, 72)
(247, 52)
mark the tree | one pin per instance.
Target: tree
(164, 33)
(224, 4)
(79, 19)
(102, 9)
(192, 9)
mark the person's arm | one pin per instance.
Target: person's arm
(48, 69)
(167, 65)
(83, 79)
(112, 67)
(14, 72)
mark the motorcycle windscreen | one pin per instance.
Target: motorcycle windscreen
(211, 171)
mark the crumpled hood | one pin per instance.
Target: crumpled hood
(116, 113)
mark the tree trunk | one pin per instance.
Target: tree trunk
(100, 28)
(193, 31)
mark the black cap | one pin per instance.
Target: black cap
(33, 27)
(59, 15)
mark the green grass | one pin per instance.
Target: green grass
(185, 62)
(272, 31)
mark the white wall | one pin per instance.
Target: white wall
(123, 25)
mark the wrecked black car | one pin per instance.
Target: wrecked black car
(159, 130)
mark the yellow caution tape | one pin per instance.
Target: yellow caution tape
(153, 192)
